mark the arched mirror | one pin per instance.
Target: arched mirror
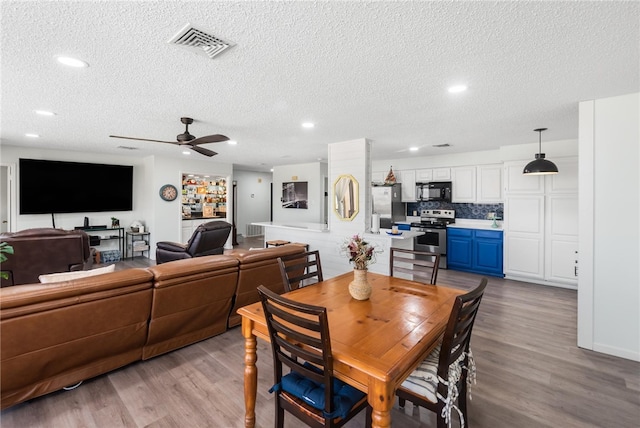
(345, 197)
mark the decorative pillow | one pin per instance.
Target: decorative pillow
(67, 276)
(344, 396)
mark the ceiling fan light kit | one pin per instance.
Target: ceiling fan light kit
(540, 166)
(187, 139)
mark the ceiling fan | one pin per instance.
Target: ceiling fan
(187, 139)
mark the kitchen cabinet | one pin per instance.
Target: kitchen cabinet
(517, 182)
(481, 184)
(424, 175)
(408, 180)
(433, 174)
(475, 250)
(489, 184)
(541, 225)
(561, 246)
(463, 182)
(459, 249)
(441, 174)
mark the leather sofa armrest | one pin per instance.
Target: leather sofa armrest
(171, 246)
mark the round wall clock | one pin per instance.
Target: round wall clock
(168, 192)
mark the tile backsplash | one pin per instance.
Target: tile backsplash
(472, 211)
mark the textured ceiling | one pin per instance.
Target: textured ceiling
(356, 69)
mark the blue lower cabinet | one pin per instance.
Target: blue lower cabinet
(459, 249)
(475, 250)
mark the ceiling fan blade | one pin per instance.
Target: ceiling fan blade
(216, 138)
(143, 139)
(204, 151)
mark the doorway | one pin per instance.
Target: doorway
(7, 202)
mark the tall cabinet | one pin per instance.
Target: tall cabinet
(541, 224)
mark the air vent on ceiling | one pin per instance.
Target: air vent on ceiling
(127, 148)
(441, 145)
(200, 42)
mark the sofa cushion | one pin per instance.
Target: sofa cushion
(67, 276)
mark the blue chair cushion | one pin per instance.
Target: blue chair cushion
(344, 396)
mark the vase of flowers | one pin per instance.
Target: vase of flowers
(361, 254)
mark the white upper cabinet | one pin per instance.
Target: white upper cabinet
(441, 174)
(517, 182)
(433, 174)
(489, 184)
(566, 180)
(424, 175)
(463, 182)
(408, 180)
(482, 184)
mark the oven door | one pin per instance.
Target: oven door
(433, 241)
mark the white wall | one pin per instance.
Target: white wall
(609, 249)
(11, 155)
(313, 174)
(253, 199)
(163, 219)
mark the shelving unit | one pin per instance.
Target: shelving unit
(137, 242)
(98, 235)
(204, 198)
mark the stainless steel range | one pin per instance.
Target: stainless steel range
(434, 225)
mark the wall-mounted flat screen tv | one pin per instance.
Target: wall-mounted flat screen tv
(48, 187)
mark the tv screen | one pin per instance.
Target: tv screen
(47, 187)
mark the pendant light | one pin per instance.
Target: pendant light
(540, 166)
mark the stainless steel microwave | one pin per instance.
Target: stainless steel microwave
(434, 191)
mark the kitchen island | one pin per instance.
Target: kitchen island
(334, 262)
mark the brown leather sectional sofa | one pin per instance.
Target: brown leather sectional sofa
(56, 335)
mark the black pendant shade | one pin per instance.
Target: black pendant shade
(540, 166)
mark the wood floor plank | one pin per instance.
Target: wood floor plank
(530, 374)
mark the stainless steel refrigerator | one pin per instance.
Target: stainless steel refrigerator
(387, 203)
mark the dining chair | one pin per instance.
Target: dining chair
(299, 335)
(443, 377)
(422, 265)
(296, 268)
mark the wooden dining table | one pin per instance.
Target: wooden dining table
(376, 343)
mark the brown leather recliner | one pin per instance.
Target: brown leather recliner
(41, 251)
(208, 239)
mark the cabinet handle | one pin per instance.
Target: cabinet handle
(575, 271)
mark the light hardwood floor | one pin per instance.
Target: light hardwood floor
(530, 374)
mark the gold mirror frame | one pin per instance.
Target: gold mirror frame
(346, 197)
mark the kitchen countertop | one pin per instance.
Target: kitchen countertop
(311, 227)
(465, 223)
(406, 234)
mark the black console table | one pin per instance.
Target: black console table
(92, 231)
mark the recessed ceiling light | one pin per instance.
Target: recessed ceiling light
(45, 113)
(232, 142)
(413, 149)
(457, 88)
(307, 125)
(187, 153)
(72, 62)
(271, 170)
(32, 135)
